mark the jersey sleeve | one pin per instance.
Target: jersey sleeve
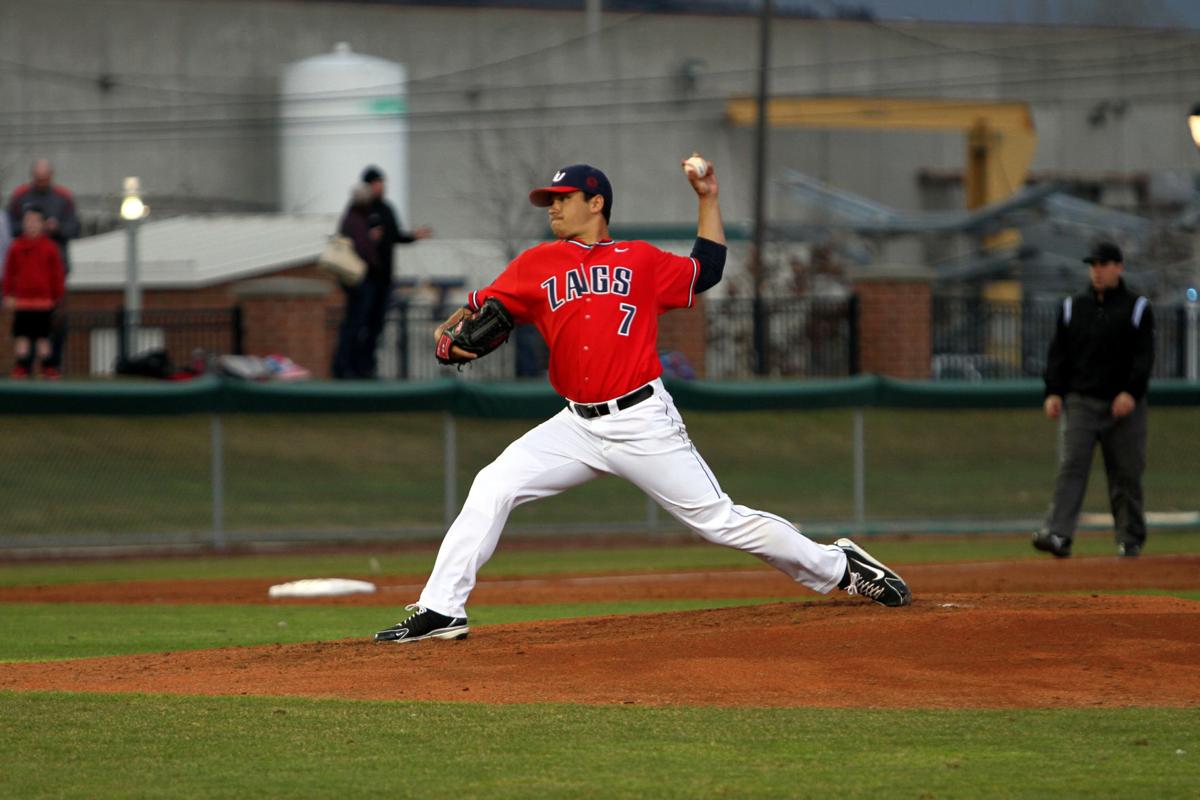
(675, 279)
(508, 289)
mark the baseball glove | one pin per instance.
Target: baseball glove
(478, 334)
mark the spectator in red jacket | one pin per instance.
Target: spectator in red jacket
(34, 283)
(62, 225)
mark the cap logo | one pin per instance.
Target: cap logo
(558, 176)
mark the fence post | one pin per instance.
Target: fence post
(123, 343)
(218, 482)
(860, 472)
(1192, 344)
(238, 331)
(450, 476)
(853, 338)
(402, 337)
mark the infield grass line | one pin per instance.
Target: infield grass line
(531, 561)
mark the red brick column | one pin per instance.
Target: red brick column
(685, 330)
(287, 316)
(894, 322)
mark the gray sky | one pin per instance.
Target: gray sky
(1148, 13)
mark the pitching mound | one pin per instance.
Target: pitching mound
(946, 651)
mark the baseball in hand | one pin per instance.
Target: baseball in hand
(696, 166)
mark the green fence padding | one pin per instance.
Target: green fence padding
(126, 398)
(317, 397)
(514, 400)
(519, 399)
(893, 393)
(767, 395)
(1174, 392)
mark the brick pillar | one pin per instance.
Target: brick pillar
(894, 322)
(287, 316)
(685, 330)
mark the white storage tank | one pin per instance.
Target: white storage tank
(339, 113)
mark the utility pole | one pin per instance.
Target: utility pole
(757, 266)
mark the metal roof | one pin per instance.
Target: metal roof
(190, 252)
(195, 251)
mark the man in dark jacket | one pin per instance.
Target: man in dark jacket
(1097, 374)
(367, 303)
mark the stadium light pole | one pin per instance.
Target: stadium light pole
(133, 211)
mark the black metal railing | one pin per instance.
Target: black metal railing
(806, 337)
(979, 339)
(95, 340)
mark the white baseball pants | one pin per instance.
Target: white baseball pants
(648, 445)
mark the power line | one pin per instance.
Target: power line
(429, 121)
(244, 99)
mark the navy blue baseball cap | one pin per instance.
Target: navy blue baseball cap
(1105, 253)
(575, 178)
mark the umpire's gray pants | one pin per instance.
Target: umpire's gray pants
(1085, 421)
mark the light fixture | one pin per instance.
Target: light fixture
(1194, 124)
(132, 207)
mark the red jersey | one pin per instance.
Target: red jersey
(34, 273)
(597, 307)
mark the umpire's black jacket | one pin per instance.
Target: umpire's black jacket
(1104, 345)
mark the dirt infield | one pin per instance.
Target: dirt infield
(977, 636)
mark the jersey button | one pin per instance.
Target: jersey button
(585, 347)
(587, 316)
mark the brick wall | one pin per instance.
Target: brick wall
(287, 316)
(288, 312)
(685, 331)
(894, 316)
(317, 345)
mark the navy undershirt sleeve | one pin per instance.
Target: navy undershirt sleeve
(711, 258)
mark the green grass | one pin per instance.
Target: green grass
(87, 746)
(50, 631)
(79, 745)
(517, 562)
(67, 474)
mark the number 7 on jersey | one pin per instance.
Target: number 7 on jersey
(629, 310)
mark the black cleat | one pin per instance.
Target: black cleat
(1129, 550)
(871, 578)
(424, 624)
(1048, 542)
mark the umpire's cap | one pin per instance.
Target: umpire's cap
(575, 178)
(1105, 253)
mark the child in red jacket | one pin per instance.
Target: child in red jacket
(34, 283)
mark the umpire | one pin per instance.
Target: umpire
(1096, 377)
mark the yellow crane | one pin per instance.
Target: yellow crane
(1000, 139)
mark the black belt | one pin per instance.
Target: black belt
(600, 409)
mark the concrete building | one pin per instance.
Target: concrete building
(185, 94)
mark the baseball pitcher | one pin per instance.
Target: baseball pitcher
(596, 302)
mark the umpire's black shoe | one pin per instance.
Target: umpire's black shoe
(871, 578)
(424, 624)
(1129, 549)
(1049, 542)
